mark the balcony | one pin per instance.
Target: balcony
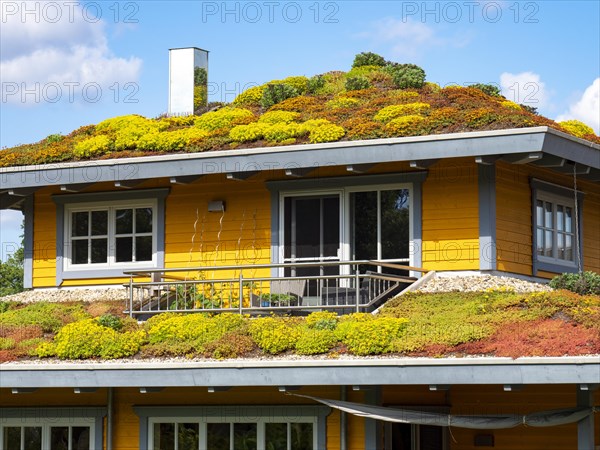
(298, 288)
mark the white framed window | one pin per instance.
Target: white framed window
(121, 234)
(557, 227)
(189, 433)
(48, 434)
(277, 427)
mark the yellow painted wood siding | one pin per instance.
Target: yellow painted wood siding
(514, 221)
(451, 216)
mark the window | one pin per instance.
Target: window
(122, 234)
(51, 429)
(406, 436)
(188, 434)
(233, 428)
(555, 238)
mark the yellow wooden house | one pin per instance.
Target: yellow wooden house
(329, 216)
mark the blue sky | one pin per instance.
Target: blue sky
(68, 64)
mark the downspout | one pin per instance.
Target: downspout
(343, 421)
(109, 420)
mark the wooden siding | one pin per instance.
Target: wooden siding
(514, 221)
(451, 216)
(461, 399)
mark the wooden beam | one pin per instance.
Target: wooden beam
(8, 201)
(359, 168)
(299, 172)
(423, 163)
(579, 169)
(522, 158)
(487, 160)
(593, 175)
(128, 184)
(22, 192)
(185, 179)
(241, 176)
(75, 187)
(550, 161)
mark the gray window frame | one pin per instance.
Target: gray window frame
(553, 190)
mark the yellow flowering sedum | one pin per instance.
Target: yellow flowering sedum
(405, 126)
(326, 133)
(272, 117)
(576, 128)
(223, 118)
(391, 112)
(249, 97)
(511, 105)
(248, 133)
(92, 146)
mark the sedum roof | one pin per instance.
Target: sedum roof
(368, 102)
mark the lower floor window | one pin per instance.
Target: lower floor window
(235, 427)
(47, 437)
(188, 435)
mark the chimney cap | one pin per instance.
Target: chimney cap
(185, 48)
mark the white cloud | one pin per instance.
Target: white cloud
(526, 88)
(63, 45)
(406, 37)
(587, 108)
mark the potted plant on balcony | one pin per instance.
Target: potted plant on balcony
(271, 300)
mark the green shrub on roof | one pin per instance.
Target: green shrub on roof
(406, 75)
(276, 93)
(368, 59)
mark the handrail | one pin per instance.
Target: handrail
(387, 263)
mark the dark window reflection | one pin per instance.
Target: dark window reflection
(124, 220)
(124, 249)
(143, 248)
(79, 250)
(143, 220)
(99, 223)
(80, 224)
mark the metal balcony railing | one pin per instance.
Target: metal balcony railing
(296, 288)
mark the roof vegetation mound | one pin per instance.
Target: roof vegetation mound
(374, 99)
(497, 322)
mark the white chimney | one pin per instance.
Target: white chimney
(188, 80)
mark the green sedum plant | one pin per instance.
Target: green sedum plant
(276, 93)
(314, 341)
(406, 75)
(274, 334)
(357, 83)
(585, 283)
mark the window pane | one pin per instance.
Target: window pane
(143, 220)
(560, 218)
(364, 225)
(560, 246)
(568, 220)
(59, 438)
(189, 436)
(124, 249)
(548, 243)
(302, 436)
(99, 223)
(431, 437)
(540, 241)
(244, 436)
(79, 253)
(124, 219)
(12, 437)
(394, 224)
(217, 436)
(331, 226)
(33, 438)
(79, 224)
(548, 216)
(80, 438)
(99, 251)
(164, 436)
(143, 248)
(276, 436)
(539, 208)
(568, 248)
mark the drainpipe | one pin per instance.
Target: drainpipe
(343, 421)
(109, 420)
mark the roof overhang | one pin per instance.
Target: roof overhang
(517, 146)
(355, 372)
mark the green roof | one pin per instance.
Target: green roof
(368, 102)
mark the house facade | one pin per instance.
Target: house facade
(522, 202)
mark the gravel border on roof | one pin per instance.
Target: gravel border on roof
(479, 283)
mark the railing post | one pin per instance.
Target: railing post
(241, 287)
(357, 287)
(131, 296)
